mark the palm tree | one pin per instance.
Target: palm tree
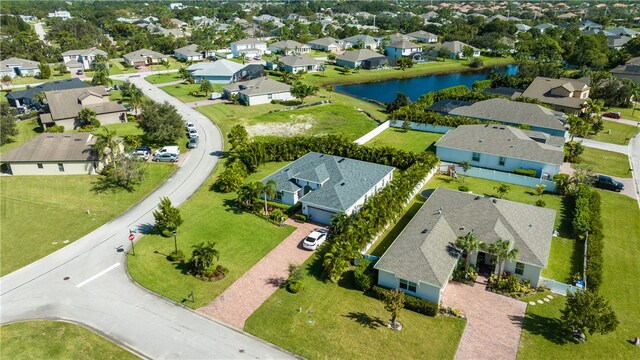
(203, 255)
(135, 99)
(636, 97)
(206, 87)
(469, 243)
(86, 116)
(268, 192)
(106, 145)
(502, 250)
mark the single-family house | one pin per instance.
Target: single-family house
(248, 47)
(623, 31)
(144, 57)
(424, 36)
(431, 15)
(19, 67)
(326, 185)
(617, 42)
(54, 154)
(422, 258)
(362, 41)
(178, 23)
(218, 72)
(566, 95)
(395, 37)
(81, 59)
(176, 6)
(516, 113)
(362, 58)
(500, 147)
(259, 91)
(630, 70)
(588, 25)
(522, 28)
(329, 44)
(445, 106)
(544, 27)
(64, 106)
(188, 53)
(456, 49)
(299, 63)
(64, 15)
(289, 47)
(402, 48)
(26, 97)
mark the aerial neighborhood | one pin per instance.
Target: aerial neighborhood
(320, 179)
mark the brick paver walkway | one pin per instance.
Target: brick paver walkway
(494, 322)
(245, 295)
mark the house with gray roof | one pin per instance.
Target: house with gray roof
(544, 26)
(617, 42)
(19, 67)
(630, 70)
(402, 48)
(623, 31)
(144, 57)
(326, 185)
(566, 95)
(424, 36)
(423, 257)
(188, 53)
(363, 58)
(53, 154)
(248, 47)
(329, 44)
(516, 113)
(502, 148)
(456, 49)
(81, 59)
(289, 47)
(218, 72)
(26, 97)
(259, 91)
(364, 41)
(299, 63)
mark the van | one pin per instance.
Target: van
(173, 149)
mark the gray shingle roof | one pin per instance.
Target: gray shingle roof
(421, 34)
(53, 147)
(298, 60)
(64, 104)
(344, 180)
(48, 86)
(248, 41)
(10, 63)
(325, 41)
(514, 112)
(143, 54)
(85, 52)
(222, 67)
(541, 86)
(453, 46)
(424, 249)
(258, 86)
(447, 105)
(189, 50)
(359, 55)
(404, 44)
(500, 140)
(289, 44)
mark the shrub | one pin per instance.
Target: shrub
(476, 63)
(86, 128)
(55, 129)
(295, 287)
(331, 57)
(176, 256)
(300, 218)
(540, 203)
(231, 178)
(363, 275)
(95, 123)
(463, 188)
(166, 233)
(278, 216)
(412, 303)
(525, 172)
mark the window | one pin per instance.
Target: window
(475, 156)
(40, 166)
(408, 285)
(519, 268)
(501, 161)
(61, 167)
(279, 195)
(270, 96)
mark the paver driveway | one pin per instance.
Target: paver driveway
(494, 322)
(245, 295)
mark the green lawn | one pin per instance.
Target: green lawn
(55, 75)
(329, 321)
(615, 133)
(3, 93)
(56, 340)
(626, 112)
(27, 129)
(416, 141)
(242, 238)
(182, 91)
(542, 337)
(37, 219)
(124, 129)
(604, 162)
(163, 78)
(117, 68)
(565, 259)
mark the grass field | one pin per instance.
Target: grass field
(604, 162)
(163, 78)
(329, 321)
(242, 238)
(27, 129)
(626, 112)
(56, 340)
(543, 338)
(37, 219)
(182, 91)
(615, 133)
(55, 75)
(416, 141)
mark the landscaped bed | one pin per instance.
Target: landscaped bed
(411, 140)
(604, 162)
(56, 340)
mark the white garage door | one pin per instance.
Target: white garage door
(319, 216)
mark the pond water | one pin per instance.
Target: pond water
(385, 91)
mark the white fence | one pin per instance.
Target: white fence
(558, 287)
(373, 133)
(505, 177)
(424, 127)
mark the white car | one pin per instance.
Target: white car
(190, 126)
(215, 96)
(193, 133)
(315, 239)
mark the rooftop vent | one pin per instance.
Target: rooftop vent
(462, 228)
(342, 184)
(494, 201)
(341, 160)
(77, 139)
(425, 231)
(476, 198)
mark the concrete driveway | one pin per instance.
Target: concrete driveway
(494, 322)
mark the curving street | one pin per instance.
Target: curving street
(87, 282)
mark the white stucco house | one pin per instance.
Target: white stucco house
(326, 185)
(144, 57)
(188, 53)
(249, 47)
(421, 260)
(299, 63)
(402, 48)
(19, 67)
(81, 59)
(289, 47)
(259, 91)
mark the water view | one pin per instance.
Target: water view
(385, 91)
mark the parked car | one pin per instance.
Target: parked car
(257, 57)
(606, 182)
(138, 67)
(612, 115)
(80, 72)
(171, 149)
(190, 126)
(248, 57)
(166, 157)
(193, 133)
(315, 239)
(215, 96)
(127, 108)
(141, 152)
(193, 143)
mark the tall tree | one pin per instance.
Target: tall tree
(135, 99)
(161, 123)
(167, 217)
(87, 117)
(238, 136)
(405, 63)
(106, 146)
(393, 303)
(268, 192)
(502, 250)
(467, 52)
(469, 243)
(45, 70)
(302, 91)
(121, 173)
(206, 87)
(400, 101)
(8, 127)
(101, 74)
(587, 310)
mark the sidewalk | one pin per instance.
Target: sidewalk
(245, 295)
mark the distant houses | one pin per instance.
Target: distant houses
(330, 44)
(224, 71)
(630, 70)
(424, 36)
(26, 97)
(19, 67)
(289, 47)
(455, 48)
(248, 47)
(82, 59)
(362, 41)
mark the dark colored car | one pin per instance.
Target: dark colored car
(606, 182)
(80, 72)
(193, 142)
(612, 115)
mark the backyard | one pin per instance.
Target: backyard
(56, 340)
(604, 162)
(329, 321)
(183, 91)
(615, 133)
(241, 237)
(55, 75)
(412, 140)
(62, 211)
(27, 129)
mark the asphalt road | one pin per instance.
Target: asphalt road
(87, 282)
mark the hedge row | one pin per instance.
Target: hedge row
(525, 172)
(587, 220)
(412, 303)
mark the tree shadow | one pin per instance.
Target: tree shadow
(146, 228)
(577, 259)
(549, 328)
(366, 320)
(275, 281)
(516, 319)
(564, 229)
(184, 267)
(347, 281)
(232, 206)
